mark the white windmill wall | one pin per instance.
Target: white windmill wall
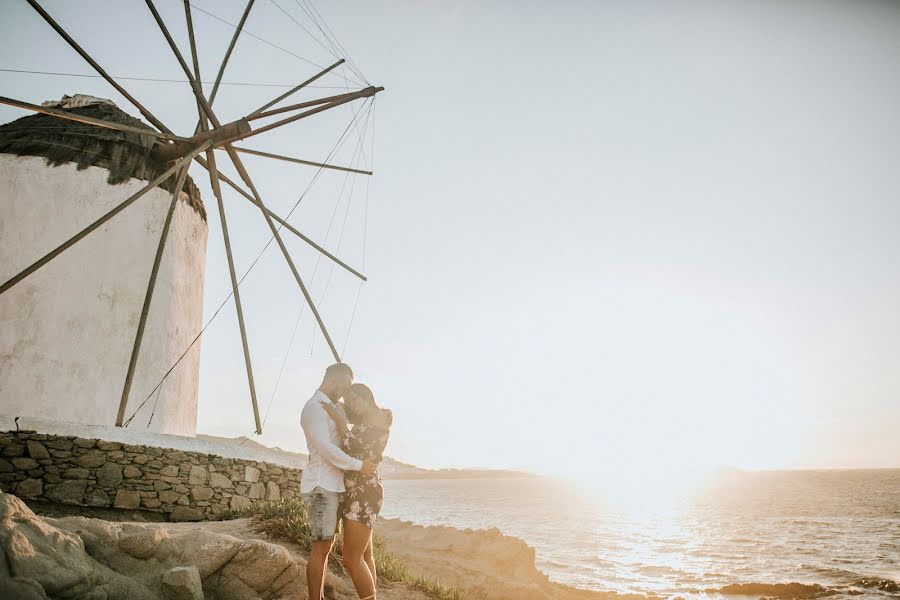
(66, 331)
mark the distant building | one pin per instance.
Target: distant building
(66, 331)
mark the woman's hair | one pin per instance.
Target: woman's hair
(363, 403)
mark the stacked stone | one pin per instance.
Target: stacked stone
(186, 486)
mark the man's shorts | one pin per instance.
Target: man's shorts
(322, 506)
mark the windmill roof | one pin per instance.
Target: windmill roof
(125, 155)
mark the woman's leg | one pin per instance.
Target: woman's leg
(356, 538)
(369, 557)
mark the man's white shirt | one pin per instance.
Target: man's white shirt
(327, 462)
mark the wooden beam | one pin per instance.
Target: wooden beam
(292, 107)
(301, 161)
(217, 191)
(148, 297)
(296, 89)
(234, 38)
(236, 160)
(147, 114)
(344, 99)
(96, 224)
(284, 223)
(70, 116)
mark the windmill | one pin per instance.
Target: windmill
(178, 153)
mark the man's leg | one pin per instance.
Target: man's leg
(322, 506)
(356, 537)
(315, 568)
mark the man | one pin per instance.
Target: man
(323, 478)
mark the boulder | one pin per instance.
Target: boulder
(219, 480)
(127, 499)
(182, 583)
(37, 450)
(30, 488)
(109, 475)
(198, 475)
(251, 474)
(273, 492)
(257, 491)
(96, 497)
(201, 493)
(186, 513)
(23, 463)
(67, 492)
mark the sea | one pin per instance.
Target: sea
(836, 529)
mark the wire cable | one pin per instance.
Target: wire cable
(164, 80)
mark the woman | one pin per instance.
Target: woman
(362, 500)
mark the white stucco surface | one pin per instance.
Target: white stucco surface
(66, 331)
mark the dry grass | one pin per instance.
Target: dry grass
(288, 520)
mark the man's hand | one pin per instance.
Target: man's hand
(368, 468)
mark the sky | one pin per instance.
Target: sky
(601, 236)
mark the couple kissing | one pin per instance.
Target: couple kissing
(346, 443)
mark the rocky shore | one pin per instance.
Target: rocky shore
(80, 558)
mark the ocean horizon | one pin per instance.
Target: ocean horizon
(838, 529)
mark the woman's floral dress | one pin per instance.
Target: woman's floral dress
(364, 495)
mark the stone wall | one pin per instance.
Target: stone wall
(186, 486)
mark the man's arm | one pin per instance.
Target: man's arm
(314, 422)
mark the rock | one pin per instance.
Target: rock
(76, 473)
(257, 491)
(30, 488)
(5, 466)
(201, 493)
(91, 460)
(34, 550)
(127, 499)
(96, 497)
(43, 560)
(150, 503)
(109, 475)
(169, 471)
(169, 497)
(273, 492)
(186, 513)
(67, 492)
(83, 443)
(14, 450)
(130, 472)
(23, 463)
(37, 450)
(142, 543)
(141, 459)
(182, 583)
(219, 480)
(104, 445)
(21, 588)
(198, 475)
(239, 502)
(251, 474)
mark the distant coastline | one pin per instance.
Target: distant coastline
(390, 468)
